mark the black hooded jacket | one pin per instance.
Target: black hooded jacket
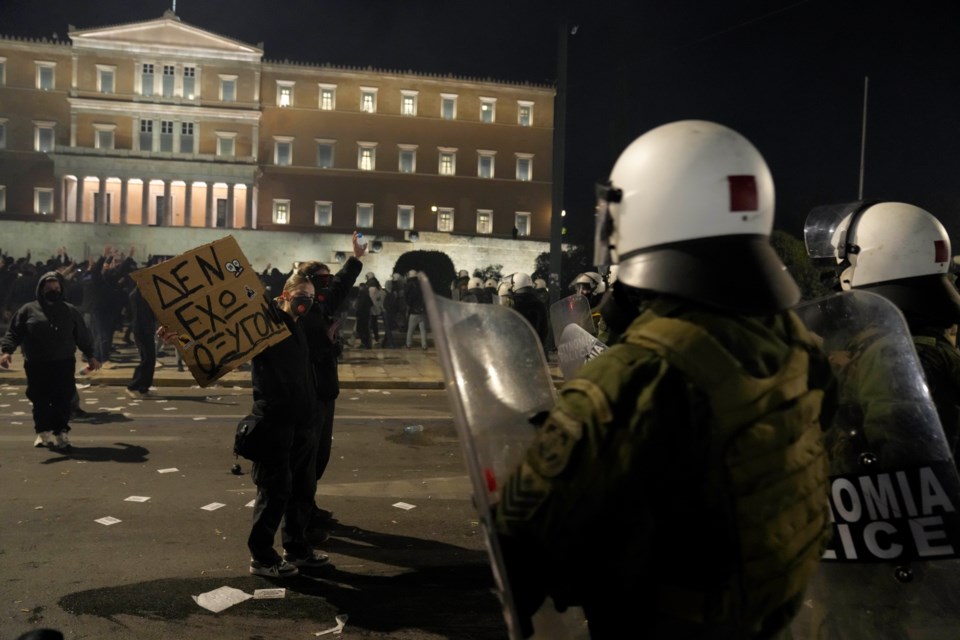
(48, 331)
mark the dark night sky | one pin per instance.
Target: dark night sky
(788, 74)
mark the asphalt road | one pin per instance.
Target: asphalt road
(407, 550)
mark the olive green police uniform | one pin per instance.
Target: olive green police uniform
(941, 370)
(679, 486)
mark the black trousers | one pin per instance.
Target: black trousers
(324, 427)
(143, 374)
(50, 387)
(285, 493)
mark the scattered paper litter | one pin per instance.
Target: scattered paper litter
(4, 406)
(136, 499)
(14, 422)
(38, 508)
(221, 598)
(337, 630)
(199, 417)
(19, 413)
(83, 386)
(170, 470)
(110, 408)
(354, 398)
(109, 520)
(161, 400)
(213, 506)
(251, 503)
(169, 408)
(406, 506)
(269, 594)
(386, 393)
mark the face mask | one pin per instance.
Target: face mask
(51, 296)
(301, 304)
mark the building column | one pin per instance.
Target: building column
(103, 201)
(230, 207)
(145, 197)
(166, 221)
(211, 218)
(188, 203)
(123, 200)
(248, 212)
(59, 204)
(78, 215)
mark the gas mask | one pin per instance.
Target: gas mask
(300, 305)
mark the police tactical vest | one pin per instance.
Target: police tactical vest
(766, 471)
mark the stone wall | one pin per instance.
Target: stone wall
(277, 248)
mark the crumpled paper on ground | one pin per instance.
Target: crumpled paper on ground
(220, 599)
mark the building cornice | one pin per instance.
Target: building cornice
(84, 105)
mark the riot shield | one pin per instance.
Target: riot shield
(497, 378)
(575, 347)
(890, 569)
(573, 309)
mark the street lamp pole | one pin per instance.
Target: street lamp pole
(559, 142)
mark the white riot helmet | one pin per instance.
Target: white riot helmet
(894, 249)
(590, 279)
(520, 281)
(688, 211)
(412, 273)
(540, 283)
(475, 283)
(490, 284)
(505, 288)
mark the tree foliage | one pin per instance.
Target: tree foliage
(573, 262)
(793, 254)
(437, 266)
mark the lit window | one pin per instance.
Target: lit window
(524, 113)
(189, 82)
(366, 156)
(368, 100)
(408, 159)
(448, 163)
(43, 137)
(3, 133)
(146, 135)
(3, 198)
(146, 79)
(43, 201)
(328, 97)
(405, 217)
(225, 144)
(46, 76)
(323, 213)
(228, 88)
(325, 154)
(281, 212)
(485, 163)
(105, 78)
(364, 215)
(3, 71)
(522, 223)
(104, 136)
(284, 93)
(408, 105)
(166, 135)
(282, 151)
(488, 109)
(186, 137)
(448, 106)
(445, 219)
(524, 167)
(484, 221)
(169, 72)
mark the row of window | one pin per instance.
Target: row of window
(323, 217)
(169, 81)
(168, 137)
(42, 200)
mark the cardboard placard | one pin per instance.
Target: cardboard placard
(215, 301)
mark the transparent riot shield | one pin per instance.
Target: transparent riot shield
(575, 347)
(573, 309)
(890, 570)
(497, 378)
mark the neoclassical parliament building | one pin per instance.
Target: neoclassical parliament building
(161, 123)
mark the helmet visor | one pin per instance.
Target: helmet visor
(826, 228)
(603, 231)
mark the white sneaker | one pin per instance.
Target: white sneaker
(62, 440)
(44, 439)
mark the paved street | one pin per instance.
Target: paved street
(161, 467)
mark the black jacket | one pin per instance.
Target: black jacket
(48, 331)
(529, 306)
(282, 375)
(317, 322)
